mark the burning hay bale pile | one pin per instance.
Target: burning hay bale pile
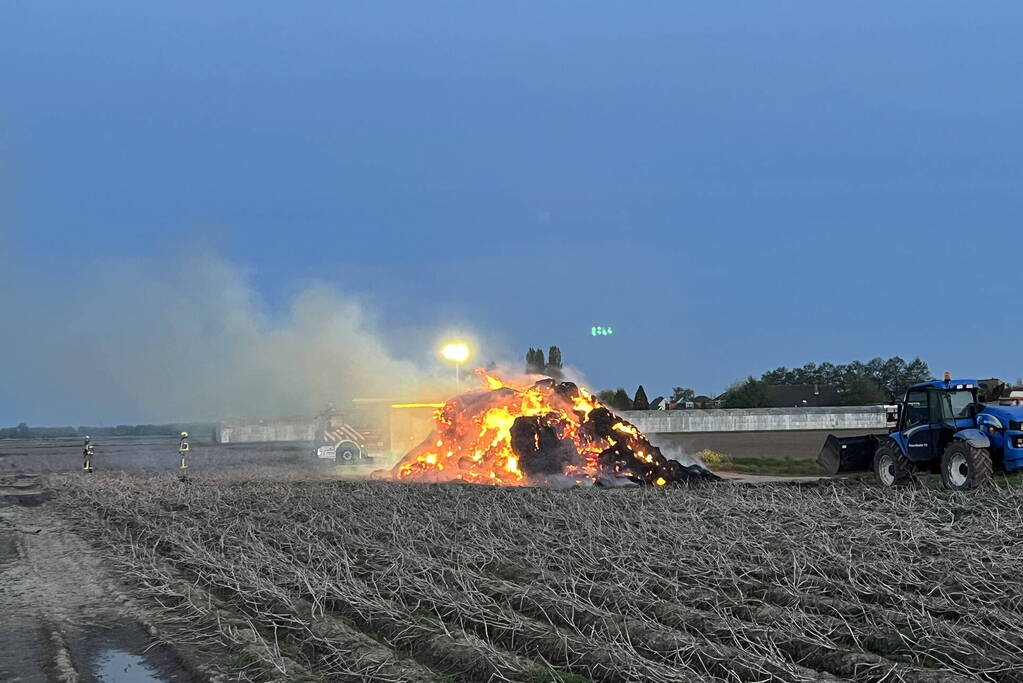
(549, 432)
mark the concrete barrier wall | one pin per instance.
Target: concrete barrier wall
(255, 431)
(862, 419)
(757, 420)
(778, 444)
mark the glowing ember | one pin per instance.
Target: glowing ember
(508, 435)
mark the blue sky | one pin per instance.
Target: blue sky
(731, 186)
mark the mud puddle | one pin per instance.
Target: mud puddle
(125, 654)
(119, 666)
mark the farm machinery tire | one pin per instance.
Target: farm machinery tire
(348, 452)
(965, 467)
(892, 469)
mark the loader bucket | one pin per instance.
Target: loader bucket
(848, 454)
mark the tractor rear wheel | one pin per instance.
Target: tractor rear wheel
(964, 467)
(891, 467)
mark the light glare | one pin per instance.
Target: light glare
(457, 352)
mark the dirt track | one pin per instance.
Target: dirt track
(63, 615)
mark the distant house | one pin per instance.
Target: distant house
(801, 395)
(659, 403)
(696, 403)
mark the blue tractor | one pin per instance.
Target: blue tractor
(942, 427)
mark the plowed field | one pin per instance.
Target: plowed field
(374, 581)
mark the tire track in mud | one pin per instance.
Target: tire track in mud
(247, 608)
(61, 609)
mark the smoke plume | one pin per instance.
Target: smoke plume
(186, 339)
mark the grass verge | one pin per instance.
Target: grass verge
(782, 467)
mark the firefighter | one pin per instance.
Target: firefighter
(87, 453)
(183, 450)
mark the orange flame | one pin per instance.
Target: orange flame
(472, 439)
(478, 447)
(489, 380)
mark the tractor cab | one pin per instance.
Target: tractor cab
(932, 414)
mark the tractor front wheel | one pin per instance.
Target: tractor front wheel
(891, 467)
(964, 467)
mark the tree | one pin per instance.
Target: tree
(863, 391)
(807, 374)
(748, 394)
(893, 375)
(916, 372)
(1019, 383)
(607, 396)
(829, 373)
(640, 402)
(535, 363)
(621, 400)
(894, 372)
(682, 394)
(779, 375)
(554, 362)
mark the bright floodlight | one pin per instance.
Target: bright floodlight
(457, 352)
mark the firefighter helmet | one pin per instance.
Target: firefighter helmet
(184, 435)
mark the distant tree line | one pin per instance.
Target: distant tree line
(551, 366)
(893, 375)
(198, 430)
(857, 383)
(619, 399)
(748, 394)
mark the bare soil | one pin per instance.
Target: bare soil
(156, 454)
(262, 566)
(386, 581)
(61, 607)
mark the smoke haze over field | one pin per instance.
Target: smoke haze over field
(730, 187)
(185, 339)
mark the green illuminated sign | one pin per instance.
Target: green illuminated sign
(599, 331)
